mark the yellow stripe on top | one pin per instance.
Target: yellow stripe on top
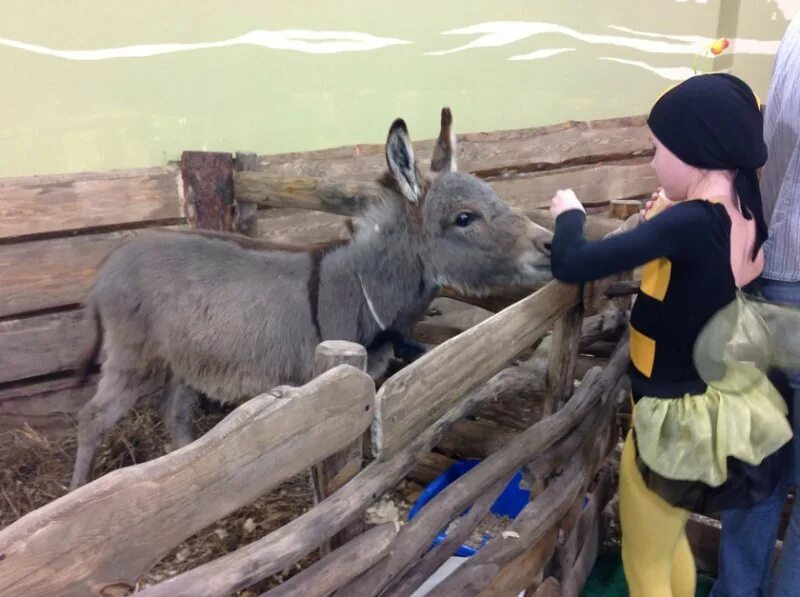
(643, 352)
(655, 278)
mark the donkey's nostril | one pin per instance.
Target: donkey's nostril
(548, 247)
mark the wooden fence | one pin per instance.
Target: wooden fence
(102, 537)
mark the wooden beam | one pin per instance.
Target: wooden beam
(563, 356)
(343, 198)
(498, 153)
(45, 274)
(416, 396)
(336, 470)
(70, 546)
(343, 565)
(61, 205)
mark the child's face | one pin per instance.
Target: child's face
(673, 174)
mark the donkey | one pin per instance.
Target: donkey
(232, 317)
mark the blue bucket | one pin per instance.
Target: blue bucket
(510, 503)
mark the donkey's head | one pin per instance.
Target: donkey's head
(472, 240)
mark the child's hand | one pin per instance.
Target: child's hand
(564, 200)
(657, 203)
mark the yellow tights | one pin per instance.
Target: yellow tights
(656, 555)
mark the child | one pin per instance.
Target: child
(692, 446)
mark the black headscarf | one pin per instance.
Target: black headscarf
(714, 122)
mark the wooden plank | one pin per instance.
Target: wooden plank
(65, 205)
(114, 529)
(485, 154)
(45, 274)
(419, 394)
(594, 184)
(563, 356)
(49, 406)
(42, 345)
(298, 226)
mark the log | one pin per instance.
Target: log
(457, 533)
(69, 546)
(607, 325)
(594, 184)
(336, 470)
(343, 198)
(38, 206)
(283, 547)
(415, 536)
(208, 189)
(326, 575)
(416, 396)
(563, 355)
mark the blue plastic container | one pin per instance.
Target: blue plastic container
(510, 503)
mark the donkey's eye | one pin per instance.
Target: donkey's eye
(465, 218)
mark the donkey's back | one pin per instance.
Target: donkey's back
(164, 297)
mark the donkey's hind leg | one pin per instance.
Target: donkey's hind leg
(177, 409)
(116, 394)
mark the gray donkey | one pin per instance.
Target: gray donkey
(233, 317)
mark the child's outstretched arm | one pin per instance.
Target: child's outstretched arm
(574, 259)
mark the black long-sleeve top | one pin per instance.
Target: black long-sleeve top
(687, 278)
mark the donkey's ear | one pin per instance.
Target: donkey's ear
(400, 158)
(444, 153)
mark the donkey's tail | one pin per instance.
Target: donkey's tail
(89, 358)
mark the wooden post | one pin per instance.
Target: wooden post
(208, 189)
(330, 474)
(246, 216)
(563, 356)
